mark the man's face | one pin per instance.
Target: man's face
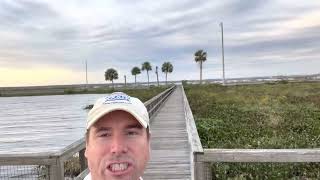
(118, 147)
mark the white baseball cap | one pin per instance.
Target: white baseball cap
(118, 101)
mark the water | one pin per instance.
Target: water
(35, 124)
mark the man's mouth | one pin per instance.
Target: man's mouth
(118, 167)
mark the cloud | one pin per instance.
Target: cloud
(24, 12)
(123, 34)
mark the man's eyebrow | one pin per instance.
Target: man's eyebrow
(103, 129)
(134, 126)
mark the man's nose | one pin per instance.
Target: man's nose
(119, 145)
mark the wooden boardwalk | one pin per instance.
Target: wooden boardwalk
(170, 155)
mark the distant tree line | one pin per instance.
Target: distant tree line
(111, 74)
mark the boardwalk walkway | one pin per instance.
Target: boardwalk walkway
(170, 155)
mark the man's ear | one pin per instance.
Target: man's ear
(87, 144)
(149, 139)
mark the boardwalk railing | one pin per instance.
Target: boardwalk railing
(202, 158)
(54, 163)
(154, 103)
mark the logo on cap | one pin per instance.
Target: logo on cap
(117, 97)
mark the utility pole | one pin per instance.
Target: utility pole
(157, 75)
(224, 79)
(86, 74)
(125, 80)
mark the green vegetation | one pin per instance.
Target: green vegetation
(142, 94)
(279, 115)
(72, 166)
(135, 71)
(74, 91)
(110, 75)
(145, 94)
(167, 68)
(147, 67)
(274, 171)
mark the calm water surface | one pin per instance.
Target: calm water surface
(36, 124)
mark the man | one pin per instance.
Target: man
(117, 138)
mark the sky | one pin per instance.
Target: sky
(46, 42)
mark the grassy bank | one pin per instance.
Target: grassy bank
(281, 115)
(69, 90)
(143, 94)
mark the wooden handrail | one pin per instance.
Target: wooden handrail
(260, 155)
(194, 139)
(197, 168)
(27, 159)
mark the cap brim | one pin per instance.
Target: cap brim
(107, 110)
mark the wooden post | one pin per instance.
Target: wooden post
(202, 171)
(56, 171)
(199, 171)
(207, 170)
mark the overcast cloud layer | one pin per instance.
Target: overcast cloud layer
(275, 37)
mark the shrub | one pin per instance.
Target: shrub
(69, 91)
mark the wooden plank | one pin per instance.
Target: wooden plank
(72, 149)
(56, 171)
(260, 155)
(170, 154)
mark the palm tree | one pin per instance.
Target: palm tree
(200, 56)
(146, 66)
(135, 71)
(110, 75)
(167, 68)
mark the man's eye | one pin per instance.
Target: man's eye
(104, 135)
(132, 133)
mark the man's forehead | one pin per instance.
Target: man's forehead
(111, 125)
(118, 117)
(111, 128)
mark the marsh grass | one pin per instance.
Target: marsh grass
(279, 115)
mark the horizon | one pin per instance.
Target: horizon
(46, 43)
(172, 81)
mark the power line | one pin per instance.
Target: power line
(86, 74)
(224, 80)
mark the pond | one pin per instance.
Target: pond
(35, 124)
